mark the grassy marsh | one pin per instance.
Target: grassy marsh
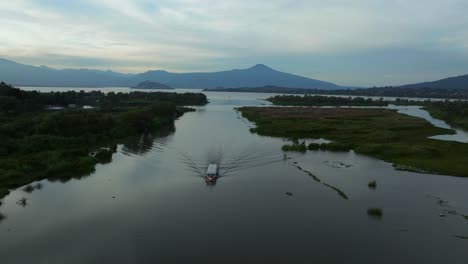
(381, 133)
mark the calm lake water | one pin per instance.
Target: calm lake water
(151, 205)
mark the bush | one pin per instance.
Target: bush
(313, 146)
(295, 147)
(104, 156)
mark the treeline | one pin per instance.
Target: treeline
(14, 100)
(37, 143)
(388, 91)
(319, 100)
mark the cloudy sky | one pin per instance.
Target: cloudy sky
(349, 42)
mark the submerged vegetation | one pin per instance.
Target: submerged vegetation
(317, 179)
(375, 212)
(39, 143)
(382, 133)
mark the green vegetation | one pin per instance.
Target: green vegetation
(340, 193)
(372, 184)
(61, 144)
(455, 113)
(3, 192)
(320, 100)
(385, 134)
(375, 212)
(295, 147)
(317, 179)
(332, 146)
(415, 92)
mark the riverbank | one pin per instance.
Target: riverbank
(381, 133)
(38, 143)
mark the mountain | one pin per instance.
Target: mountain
(458, 82)
(26, 75)
(256, 76)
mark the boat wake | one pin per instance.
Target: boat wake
(228, 163)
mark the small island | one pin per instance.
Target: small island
(152, 85)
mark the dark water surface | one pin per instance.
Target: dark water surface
(150, 205)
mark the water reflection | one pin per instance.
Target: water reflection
(147, 142)
(23, 202)
(32, 188)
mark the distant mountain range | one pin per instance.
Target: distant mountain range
(258, 75)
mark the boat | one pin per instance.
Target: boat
(212, 174)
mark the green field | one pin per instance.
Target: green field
(384, 134)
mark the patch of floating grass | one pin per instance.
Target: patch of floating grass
(340, 192)
(314, 177)
(2, 217)
(372, 184)
(23, 202)
(375, 212)
(317, 179)
(461, 237)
